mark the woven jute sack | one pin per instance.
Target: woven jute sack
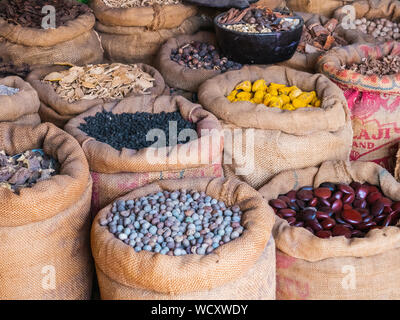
(75, 42)
(44, 230)
(307, 61)
(369, 9)
(336, 268)
(191, 96)
(282, 140)
(154, 17)
(373, 101)
(58, 111)
(115, 173)
(322, 7)
(138, 44)
(29, 120)
(241, 269)
(178, 76)
(22, 107)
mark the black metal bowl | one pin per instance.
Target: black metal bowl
(240, 4)
(258, 48)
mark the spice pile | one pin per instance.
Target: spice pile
(138, 3)
(319, 38)
(257, 20)
(8, 91)
(26, 169)
(275, 95)
(381, 67)
(198, 55)
(337, 209)
(101, 81)
(28, 13)
(129, 130)
(174, 223)
(381, 29)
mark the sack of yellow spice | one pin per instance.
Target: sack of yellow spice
(284, 137)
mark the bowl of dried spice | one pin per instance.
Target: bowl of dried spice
(258, 35)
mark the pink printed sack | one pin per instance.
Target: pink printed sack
(373, 102)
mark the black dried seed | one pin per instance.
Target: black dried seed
(129, 130)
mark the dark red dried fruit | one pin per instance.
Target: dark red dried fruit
(323, 193)
(341, 230)
(305, 195)
(352, 216)
(278, 204)
(286, 213)
(362, 192)
(336, 210)
(324, 234)
(328, 223)
(345, 188)
(373, 196)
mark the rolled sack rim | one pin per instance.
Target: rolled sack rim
(26, 95)
(128, 17)
(330, 65)
(153, 271)
(49, 96)
(48, 197)
(331, 116)
(165, 63)
(128, 160)
(299, 243)
(33, 37)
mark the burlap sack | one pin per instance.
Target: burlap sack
(191, 96)
(44, 231)
(322, 7)
(370, 9)
(28, 119)
(282, 140)
(117, 172)
(22, 107)
(373, 102)
(307, 61)
(58, 111)
(337, 268)
(241, 269)
(154, 17)
(76, 42)
(178, 76)
(137, 44)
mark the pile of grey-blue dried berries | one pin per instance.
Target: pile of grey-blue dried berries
(174, 223)
(7, 91)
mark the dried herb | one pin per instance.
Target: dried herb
(28, 13)
(26, 169)
(387, 65)
(101, 81)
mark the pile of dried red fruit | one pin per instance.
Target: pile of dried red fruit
(337, 209)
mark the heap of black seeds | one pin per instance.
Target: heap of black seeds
(129, 130)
